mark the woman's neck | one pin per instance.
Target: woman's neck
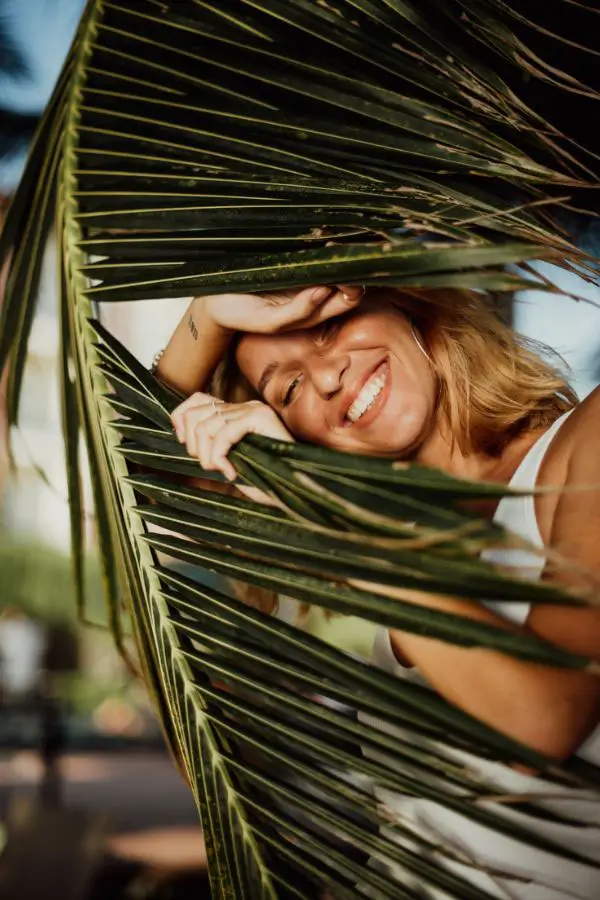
(438, 452)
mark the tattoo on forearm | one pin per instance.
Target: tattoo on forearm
(193, 328)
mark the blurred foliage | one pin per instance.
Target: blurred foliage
(348, 633)
(38, 580)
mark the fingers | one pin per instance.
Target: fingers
(212, 438)
(340, 302)
(332, 301)
(192, 418)
(256, 495)
(198, 402)
(224, 438)
(197, 421)
(289, 309)
(311, 305)
(352, 293)
(240, 420)
(210, 428)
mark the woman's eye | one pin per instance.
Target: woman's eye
(289, 394)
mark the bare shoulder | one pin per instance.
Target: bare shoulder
(582, 436)
(576, 444)
(589, 407)
(574, 468)
(572, 529)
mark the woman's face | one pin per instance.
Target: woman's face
(357, 383)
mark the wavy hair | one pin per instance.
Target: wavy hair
(493, 383)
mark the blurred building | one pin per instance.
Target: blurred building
(34, 499)
(30, 506)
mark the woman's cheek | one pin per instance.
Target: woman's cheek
(411, 422)
(298, 420)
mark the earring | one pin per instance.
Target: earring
(419, 343)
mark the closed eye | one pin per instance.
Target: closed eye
(291, 390)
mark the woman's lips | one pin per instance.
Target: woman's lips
(373, 411)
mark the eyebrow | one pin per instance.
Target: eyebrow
(266, 377)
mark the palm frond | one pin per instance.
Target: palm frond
(16, 130)
(246, 145)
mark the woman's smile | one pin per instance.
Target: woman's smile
(364, 386)
(370, 398)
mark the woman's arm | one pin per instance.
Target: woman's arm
(210, 428)
(196, 347)
(552, 710)
(207, 328)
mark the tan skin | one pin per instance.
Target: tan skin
(311, 359)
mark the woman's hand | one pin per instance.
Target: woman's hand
(209, 428)
(204, 333)
(269, 313)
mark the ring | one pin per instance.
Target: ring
(216, 407)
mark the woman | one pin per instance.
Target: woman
(438, 380)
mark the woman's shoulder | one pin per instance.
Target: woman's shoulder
(577, 438)
(573, 457)
(589, 408)
(583, 435)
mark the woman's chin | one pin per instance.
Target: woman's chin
(392, 435)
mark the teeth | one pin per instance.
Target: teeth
(367, 397)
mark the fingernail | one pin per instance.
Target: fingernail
(320, 293)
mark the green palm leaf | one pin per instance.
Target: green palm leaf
(246, 145)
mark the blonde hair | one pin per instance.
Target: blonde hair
(493, 384)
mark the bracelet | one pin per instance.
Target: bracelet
(155, 360)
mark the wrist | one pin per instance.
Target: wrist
(195, 349)
(206, 308)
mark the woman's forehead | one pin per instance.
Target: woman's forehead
(257, 350)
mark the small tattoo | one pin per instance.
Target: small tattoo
(193, 328)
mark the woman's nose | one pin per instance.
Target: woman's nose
(327, 372)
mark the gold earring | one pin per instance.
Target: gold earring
(419, 343)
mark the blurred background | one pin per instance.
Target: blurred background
(91, 806)
(86, 787)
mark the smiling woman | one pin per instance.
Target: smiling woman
(394, 374)
(414, 376)
(357, 383)
(260, 145)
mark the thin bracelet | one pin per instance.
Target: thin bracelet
(155, 361)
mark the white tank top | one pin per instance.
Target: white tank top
(517, 514)
(547, 877)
